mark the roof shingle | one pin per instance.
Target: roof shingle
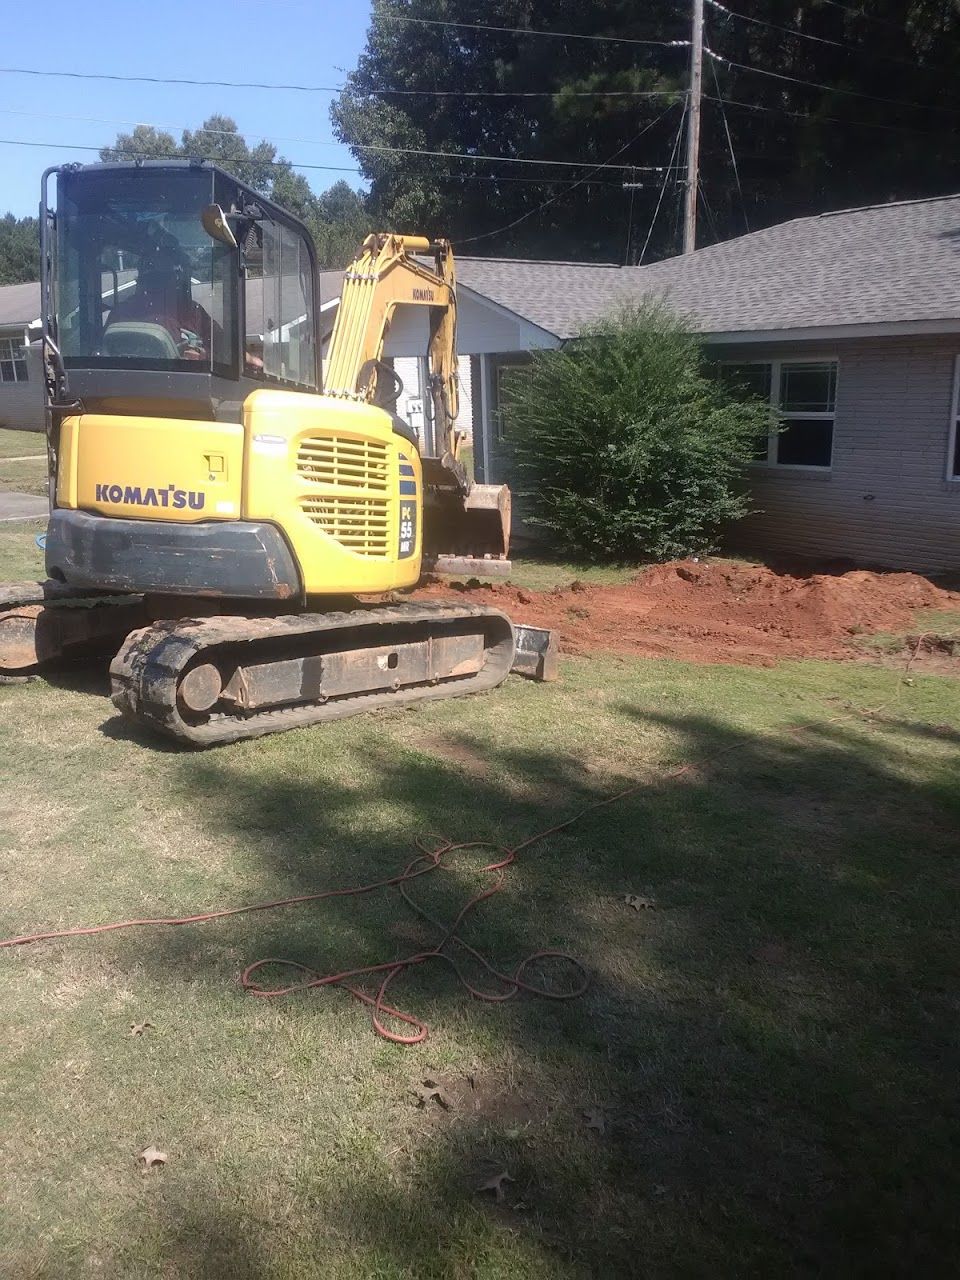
(883, 264)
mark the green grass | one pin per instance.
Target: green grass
(21, 444)
(20, 557)
(773, 1047)
(27, 476)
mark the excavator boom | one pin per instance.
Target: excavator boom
(466, 525)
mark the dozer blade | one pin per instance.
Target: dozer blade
(214, 680)
(43, 623)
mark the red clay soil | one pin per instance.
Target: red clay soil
(716, 611)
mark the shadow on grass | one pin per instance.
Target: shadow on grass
(762, 1076)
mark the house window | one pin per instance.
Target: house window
(803, 394)
(953, 449)
(13, 360)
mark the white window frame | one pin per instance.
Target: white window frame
(953, 477)
(6, 345)
(776, 367)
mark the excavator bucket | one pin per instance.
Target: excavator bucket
(466, 526)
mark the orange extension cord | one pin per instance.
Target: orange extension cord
(426, 861)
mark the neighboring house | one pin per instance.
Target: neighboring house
(21, 396)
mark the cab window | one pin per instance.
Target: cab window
(279, 344)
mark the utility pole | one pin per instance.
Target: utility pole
(693, 130)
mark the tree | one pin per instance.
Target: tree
(334, 218)
(19, 249)
(340, 224)
(800, 148)
(626, 446)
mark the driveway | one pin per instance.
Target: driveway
(21, 506)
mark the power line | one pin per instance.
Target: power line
(528, 31)
(733, 154)
(708, 209)
(818, 119)
(320, 142)
(606, 164)
(828, 88)
(806, 35)
(339, 88)
(674, 154)
(331, 168)
(866, 17)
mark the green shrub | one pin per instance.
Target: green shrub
(626, 445)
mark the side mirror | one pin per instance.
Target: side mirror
(216, 226)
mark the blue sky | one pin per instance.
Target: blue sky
(290, 41)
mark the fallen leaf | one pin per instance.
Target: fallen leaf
(638, 903)
(151, 1156)
(495, 1184)
(594, 1119)
(138, 1028)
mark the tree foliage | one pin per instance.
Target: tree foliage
(336, 218)
(799, 149)
(19, 249)
(624, 443)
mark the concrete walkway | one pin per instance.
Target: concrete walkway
(21, 506)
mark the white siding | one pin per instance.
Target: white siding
(885, 500)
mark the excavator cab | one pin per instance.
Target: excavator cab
(174, 283)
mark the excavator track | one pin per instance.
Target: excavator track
(44, 622)
(214, 680)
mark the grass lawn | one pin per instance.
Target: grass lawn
(20, 557)
(21, 444)
(26, 476)
(760, 1080)
(29, 473)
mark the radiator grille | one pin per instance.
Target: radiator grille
(347, 463)
(359, 523)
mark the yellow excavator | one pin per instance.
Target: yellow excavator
(217, 519)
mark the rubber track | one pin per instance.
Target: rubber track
(14, 595)
(147, 670)
(54, 595)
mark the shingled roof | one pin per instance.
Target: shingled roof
(880, 265)
(19, 303)
(560, 297)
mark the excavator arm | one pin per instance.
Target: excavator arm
(386, 275)
(464, 522)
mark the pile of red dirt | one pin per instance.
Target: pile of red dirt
(716, 611)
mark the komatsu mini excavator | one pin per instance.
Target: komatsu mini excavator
(213, 515)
